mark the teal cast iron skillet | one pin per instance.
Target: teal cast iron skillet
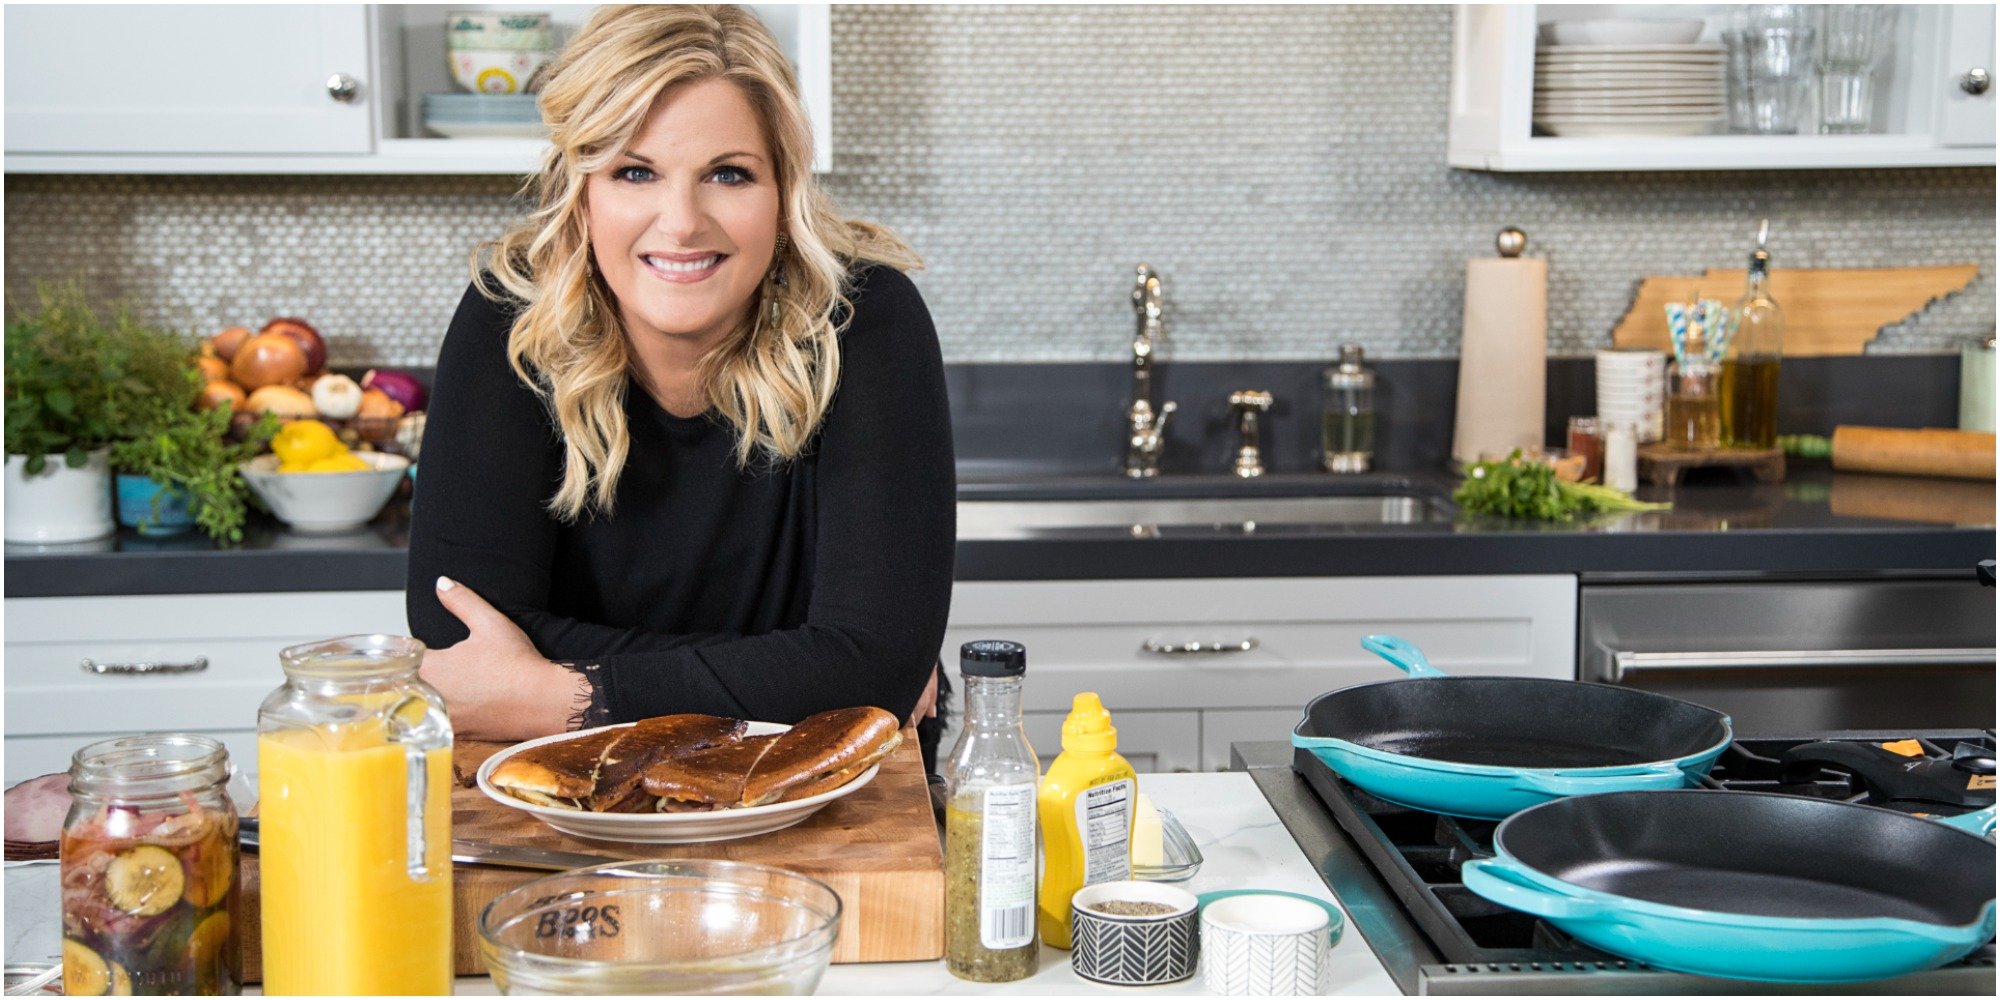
(1486, 747)
(1748, 885)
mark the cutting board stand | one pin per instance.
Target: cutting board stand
(878, 848)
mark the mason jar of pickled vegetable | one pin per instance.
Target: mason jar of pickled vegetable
(149, 869)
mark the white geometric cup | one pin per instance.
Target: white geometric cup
(1267, 944)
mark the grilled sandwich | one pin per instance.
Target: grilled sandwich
(686, 763)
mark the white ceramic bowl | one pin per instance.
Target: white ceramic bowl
(326, 502)
(1624, 31)
(497, 71)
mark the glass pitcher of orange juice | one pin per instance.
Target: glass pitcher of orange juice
(354, 803)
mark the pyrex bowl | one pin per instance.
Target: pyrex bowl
(661, 927)
(325, 502)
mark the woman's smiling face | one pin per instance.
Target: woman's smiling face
(684, 222)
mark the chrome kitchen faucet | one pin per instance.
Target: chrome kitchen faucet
(1146, 429)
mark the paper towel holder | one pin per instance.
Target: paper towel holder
(1511, 242)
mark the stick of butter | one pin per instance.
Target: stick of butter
(1147, 841)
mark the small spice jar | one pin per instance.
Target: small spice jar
(149, 869)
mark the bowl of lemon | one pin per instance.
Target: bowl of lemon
(315, 484)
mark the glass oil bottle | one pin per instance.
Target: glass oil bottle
(1749, 387)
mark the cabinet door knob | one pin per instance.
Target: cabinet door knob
(1975, 81)
(342, 88)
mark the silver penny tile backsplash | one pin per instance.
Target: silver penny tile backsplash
(1284, 167)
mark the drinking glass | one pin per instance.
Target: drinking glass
(1852, 39)
(1768, 63)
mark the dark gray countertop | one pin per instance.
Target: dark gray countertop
(1816, 524)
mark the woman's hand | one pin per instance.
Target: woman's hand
(926, 702)
(495, 684)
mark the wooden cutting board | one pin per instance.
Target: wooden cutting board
(1828, 311)
(878, 848)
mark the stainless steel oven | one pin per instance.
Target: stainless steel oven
(1804, 655)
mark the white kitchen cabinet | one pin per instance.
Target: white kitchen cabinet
(1289, 640)
(1927, 119)
(140, 84)
(55, 704)
(1153, 742)
(243, 89)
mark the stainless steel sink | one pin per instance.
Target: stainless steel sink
(1005, 519)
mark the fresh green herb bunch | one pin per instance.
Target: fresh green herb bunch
(76, 382)
(189, 453)
(1526, 489)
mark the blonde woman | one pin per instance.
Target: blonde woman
(688, 448)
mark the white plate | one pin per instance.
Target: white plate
(487, 130)
(1709, 78)
(1623, 105)
(1700, 90)
(1623, 31)
(1716, 49)
(1606, 130)
(667, 828)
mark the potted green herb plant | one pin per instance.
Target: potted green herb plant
(179, 470)
(78, 384)
(66, 399)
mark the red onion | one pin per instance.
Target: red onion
(402, 387)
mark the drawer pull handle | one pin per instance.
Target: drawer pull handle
(199, 663)
(1184, 648)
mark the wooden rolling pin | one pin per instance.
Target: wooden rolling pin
(1926, 452)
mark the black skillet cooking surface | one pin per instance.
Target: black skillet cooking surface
(1758, 854)
(1520, 722)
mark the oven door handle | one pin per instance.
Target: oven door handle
(1626, 661)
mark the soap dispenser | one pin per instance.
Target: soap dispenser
(1347, 427)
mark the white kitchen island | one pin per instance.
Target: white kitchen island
(1242, 841)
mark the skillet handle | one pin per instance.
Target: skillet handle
(1654, 776)
(1401, 652)
(1981, 822)
(1502, 883)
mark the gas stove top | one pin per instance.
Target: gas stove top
(1482, 947)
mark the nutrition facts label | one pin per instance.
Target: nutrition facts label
(1104, 815)
(1007, 868)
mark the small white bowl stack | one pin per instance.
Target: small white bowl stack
(1628, 77)
(1632, 389)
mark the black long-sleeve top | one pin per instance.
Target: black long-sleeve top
(770, 592)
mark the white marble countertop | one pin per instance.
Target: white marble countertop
(1242, 842)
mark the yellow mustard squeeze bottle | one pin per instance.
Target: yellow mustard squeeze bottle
(1087, 805)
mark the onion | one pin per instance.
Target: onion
(268, 359)
(378, 417)
(336, 397)
(223, 393)
(212, 368)
(226, 343)
(282, 400)
(402, 387)
(308, 340)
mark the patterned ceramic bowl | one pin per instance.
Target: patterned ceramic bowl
(489, 30)
(1112, 941)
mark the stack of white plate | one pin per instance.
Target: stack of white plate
(1611, 90)
(484, 116)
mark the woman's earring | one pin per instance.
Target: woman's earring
(776, 279)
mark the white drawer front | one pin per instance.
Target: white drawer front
(1258, 725)
(1306, 633)
(28, 756)
(237, 637)
(1153, 742)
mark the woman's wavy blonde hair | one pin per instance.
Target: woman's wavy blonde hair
(773, 381)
